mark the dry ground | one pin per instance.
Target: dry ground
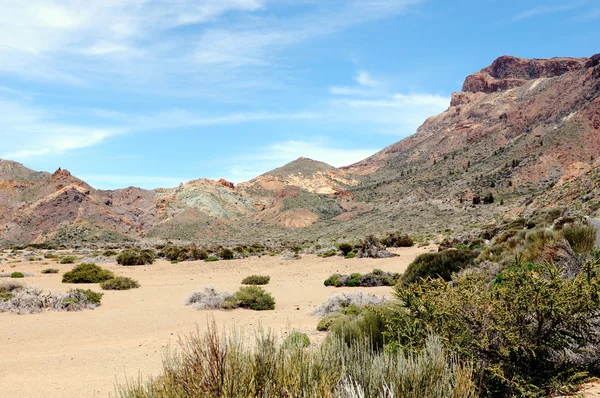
(82, 354)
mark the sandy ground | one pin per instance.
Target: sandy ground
(83, 354)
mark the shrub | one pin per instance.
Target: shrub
(23, 300)
(368, 328)
(211, 259)
(438, 265)
(325, 323)
(328, 253)
(208, 299)
(296, 340)
(50, 271)
(254, 298)
(256, 280)
(529, 332)
(184, 253)
(212, 366)
(136, 257)
(226, 254)
(120, 283)
(87, 273)
(397, 239)
(67, 260)
(350, 255)
(16, 275)
(340, 304)
(345, 248)
(582, 238)
(109, 253)
(375, 278)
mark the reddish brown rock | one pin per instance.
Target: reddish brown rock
(226, 183)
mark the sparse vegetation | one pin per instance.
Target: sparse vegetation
(256, 280)
(296, 339)
(67, 260)
(582, 238)
(50, 271)
(438, 265)
(120, 283)
(136, 257)
(21, 300)
(375, 278)
(251, 297)
(87, 273)
(211, 259)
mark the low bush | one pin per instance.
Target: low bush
(296, 340)
(211, 259)
(325, 323)
(7, 290)
(226, 254)
(397, 239)
(184, 253)
(109, 253)
(208, 299)
(345, 248)
(254, 298)
(340, 303)
(87, 273)
(16, 275)
(213, 366)
(50, 271)
(67, 260)
(375, 278)
(23, 300)
(438, 265)
(136, 257)
(582, 238)
(328, 253)
(256, 280)
(120, 283)
(350, 255)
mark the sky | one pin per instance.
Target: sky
(152, 93)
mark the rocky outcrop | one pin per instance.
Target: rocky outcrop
(509, 72)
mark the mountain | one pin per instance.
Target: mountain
(523, 131)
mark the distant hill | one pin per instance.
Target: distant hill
(525, 132)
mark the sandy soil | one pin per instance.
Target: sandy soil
(83, 354)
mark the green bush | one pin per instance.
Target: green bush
(254, 298)
(211, 259)
(368, 326)
(582, 238)
(184, 253)
(226, 254)
(296, 340)
(397, 239)
(325, 323)
(375, 278)
(328, 253)
(136, 257)
(90, 296)
(67, 260)
(334, 280)
(350, 255)
(87, 273)
(120, 283)
(529, 332)
(256, 280)
(109, 253)
(50, 271)
(345, 248)
(16, 275)
(438, 265)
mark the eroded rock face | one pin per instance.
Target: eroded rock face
(509, 72)
(226, 183)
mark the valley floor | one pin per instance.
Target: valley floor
(83, 354)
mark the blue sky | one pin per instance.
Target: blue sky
(156, 92)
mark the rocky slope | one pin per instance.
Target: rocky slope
(526, 131)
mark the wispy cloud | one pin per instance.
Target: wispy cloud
(364, 79)
(546, 9)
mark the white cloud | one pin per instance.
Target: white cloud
(545, 9)
(364, 79)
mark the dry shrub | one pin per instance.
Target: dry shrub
(338, 303)
(24, 300)
(208, 299)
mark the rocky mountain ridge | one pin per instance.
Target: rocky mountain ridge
(526, 132)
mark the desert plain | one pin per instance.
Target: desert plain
(85, 353)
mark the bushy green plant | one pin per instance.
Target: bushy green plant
(88, 295)
(67, 260)
(325, 323)
(582, 238)
(438, 265)
(184, 253)
(120, 283)
(350, 255)
(328, 253)
(528, 332)
(226, 254)
(213, 366)
(256, 280)
(345, 248)
(254, 298)
(87, 273)
(109, 253)
(375, 278)
(296, 340)
(211, 259)
(136, 257)
(50, 271)
(398, 239)
(16, 275)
